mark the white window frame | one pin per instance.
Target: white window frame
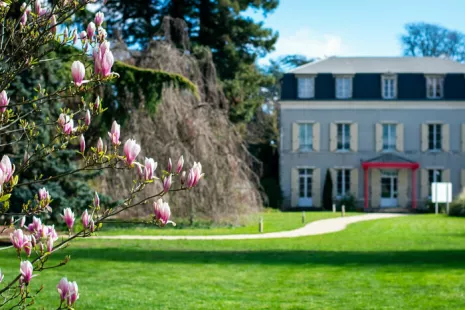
(392, 92)
(437, 142)
(306, 87)
(343, 177)
(435, 179)
(345, 133)
(437, 84)
(307, 176)
(343, 90)
(306, 144)
(391, 142)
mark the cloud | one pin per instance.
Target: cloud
(308, 43)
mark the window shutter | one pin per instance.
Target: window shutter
(379, 137)
(400, 137)
(316, 188)
(445, 137)
(354, 137)
(424, 137)
(403, 188)
(333, 137)
(446, 175)
(354, 182)
(316, 137)
(424, 189)
(375, 187)
(294, 187)
(463, 138)
(295, 137)
(334, 179)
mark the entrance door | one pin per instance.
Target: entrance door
(388, 189)
(305, 187)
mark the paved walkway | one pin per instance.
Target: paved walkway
(314, 228)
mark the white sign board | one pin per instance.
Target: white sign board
(441, 192)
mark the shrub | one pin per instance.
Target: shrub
(349, 201)
(457, 207)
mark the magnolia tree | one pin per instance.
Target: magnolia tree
(29, 32)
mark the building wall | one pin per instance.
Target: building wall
(366, 119)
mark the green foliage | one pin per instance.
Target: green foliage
(349, 201)
(328, 191)
(457, 207)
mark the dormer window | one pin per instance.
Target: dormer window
(306, 87)
(434, 87)
(343, 87)
(389, 86)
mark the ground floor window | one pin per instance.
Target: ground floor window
(343, 183)
(305, 183)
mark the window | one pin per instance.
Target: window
(389, 137)
(343, 137)
(305, 183)
(343, 183)
(434, 137)
(306, 87)
(305, 137)
(389, 87)
(434, 175)
(434, 87)
(343, 87)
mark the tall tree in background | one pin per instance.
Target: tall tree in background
(423, 39)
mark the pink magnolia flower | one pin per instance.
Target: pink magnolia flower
(167, 184)
(18, 239)
(180, 164)
(162, 212)
(195, 174)
(85, 218)
(68, 217)
(4, 101)
(78, 71)
(149, 168)
(68, 128)
(87, 118)
(91, 225)
(73, 294)
(53, 23)
(7, 168)
(99, 18)
(99, 145)
(82, 144)
(115, 133)
(1, 276)
(28, 9)
(37, 7)
(96, 200)
(28, 246)
(90, 30)
(44, 199)
(33, 241)
(103, 59)
(23, 20)
(131, 150)
(49, 245)
(97, 103)
(26, 270)
(23, 220)
(63, 288)
(51, 232)
(36, 225)
(102, 34)
(170, 165)
(83, 36)
(140, 173)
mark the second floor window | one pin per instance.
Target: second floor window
(434, 87)
(305, 137)
(343, 183)
(343, 87)
(389, 87)
(434, 137)
(343, 137)
(389, 137)
(434, 176)
(306, 87)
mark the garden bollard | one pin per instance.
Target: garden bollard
(303, 217)
(334, 208)
(260, 225)
(343, 210)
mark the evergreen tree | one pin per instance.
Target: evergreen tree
(328, 191)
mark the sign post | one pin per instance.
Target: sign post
(441, 193)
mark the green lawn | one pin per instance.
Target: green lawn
(415, 262)
(273, 221)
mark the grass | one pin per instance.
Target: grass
(273, 221)
(415, 262)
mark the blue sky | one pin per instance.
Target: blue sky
(318, 28)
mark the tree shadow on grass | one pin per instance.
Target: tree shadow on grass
(440, 259)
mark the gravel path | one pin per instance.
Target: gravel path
(314, 228)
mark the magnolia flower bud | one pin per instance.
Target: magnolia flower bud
(91, 225)
(68, 217)
(87, 118)
(170, 166)
(115, 133)
(167, 184)
(85, 218)
(97, 103)
(83, 36)
(50, 245)
(78, 71)
(162, 212)
(180, 164)
(131, 150)
(82, 144)
(183, 177)
(26, 270)
(65, 35)
(23, 20)
(75, 36)
(90, 31)
(63, 288)
(53, 23)
(195, 174)
(23, 220)
(99, 19)
(4, 101)
(96, 200)
(99, 145)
